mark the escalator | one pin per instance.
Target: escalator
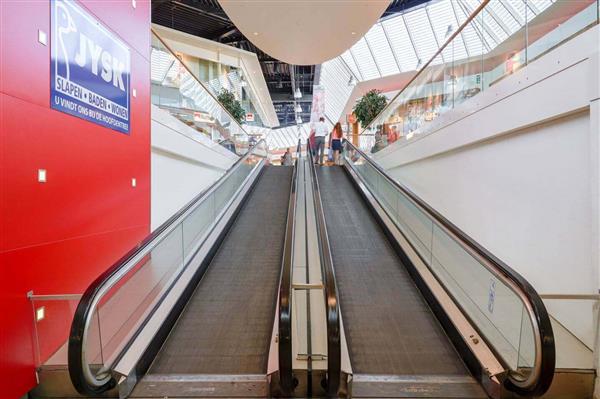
(390, 329)
(416, 307)
(413, 307)
(191, 311)
(225, 328)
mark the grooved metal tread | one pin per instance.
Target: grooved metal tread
(226, 326)
(389, 327)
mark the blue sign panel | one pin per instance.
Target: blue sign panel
(90, 68)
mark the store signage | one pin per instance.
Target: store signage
(249, 117)
(89, 68)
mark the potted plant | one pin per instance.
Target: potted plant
(369, 106)
(228, 100)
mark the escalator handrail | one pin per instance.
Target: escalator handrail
(334, 351)
(79, 369)
(542, 373)
(286, 377)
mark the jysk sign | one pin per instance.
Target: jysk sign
(90, 68)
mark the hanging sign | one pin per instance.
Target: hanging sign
(249, 117)
(89, 68)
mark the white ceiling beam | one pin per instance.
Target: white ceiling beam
(356, 63)
(412, 42)
(490, 32)
(513, 13)
(387, 38)
(433, 32)
(532, 6)
(498, 19)
(458, 26)
(373, 56)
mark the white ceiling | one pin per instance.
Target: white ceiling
(304, 32)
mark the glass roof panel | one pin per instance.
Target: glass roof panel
(443, 20)
(335, 78)
(382, 51)
(396, 31)
(349, 60)
(366, 64)
(516, 9)
(421, 34)
(505, 18)
(404, 39)
(541, 5)
(161, 63)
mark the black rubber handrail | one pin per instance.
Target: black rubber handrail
(286, 373)
(546, 353)
(334, 348)
(82, 316)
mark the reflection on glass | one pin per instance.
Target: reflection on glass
(179, 92)
(51, 318)
(125, 302)
(131, 301)
(497, 42)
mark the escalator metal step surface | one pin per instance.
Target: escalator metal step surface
(226, 326)
(389, 327)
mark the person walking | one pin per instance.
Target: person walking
(311, 142)
(286, 159)
(335, 143)
(320, 135)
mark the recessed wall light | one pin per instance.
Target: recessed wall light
(255, 33)
(353, 33)
(42, 37)
(40, 313)
(42, 175)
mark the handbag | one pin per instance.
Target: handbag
(330, 154)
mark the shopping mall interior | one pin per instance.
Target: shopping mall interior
(300, 198)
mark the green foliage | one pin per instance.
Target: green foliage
(369, 106)
(227, 99)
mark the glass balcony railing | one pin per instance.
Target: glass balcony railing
(176, 90)
(107, 318)
(454, 75)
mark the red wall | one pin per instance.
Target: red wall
(56, 237)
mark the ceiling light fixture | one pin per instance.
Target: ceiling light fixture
(449, 31)
(294, 74)
(419, 62)
(255, 33)
(352, 81)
